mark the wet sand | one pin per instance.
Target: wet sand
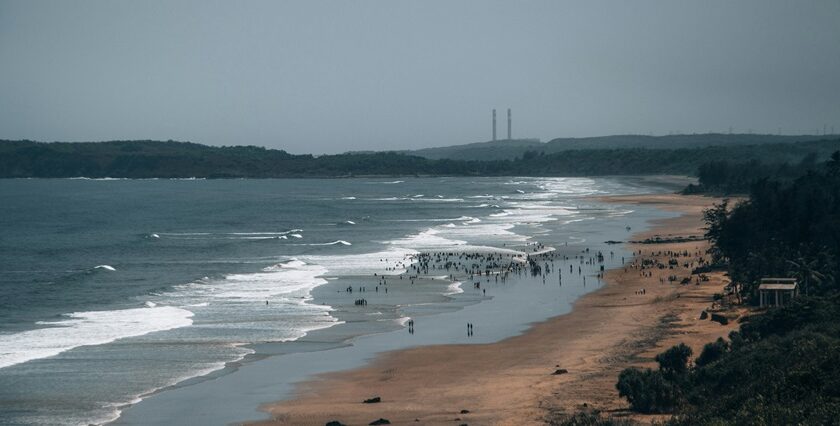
(511, 382)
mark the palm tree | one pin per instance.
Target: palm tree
(806, 271)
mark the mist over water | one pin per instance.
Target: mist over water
(113, 289)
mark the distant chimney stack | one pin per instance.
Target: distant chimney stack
(494, 124)
(509, 138)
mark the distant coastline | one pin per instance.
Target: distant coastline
(183, 160)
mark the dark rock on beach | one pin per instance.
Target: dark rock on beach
(720, 318)
(560, 371)
(373, 400)
(381, 421)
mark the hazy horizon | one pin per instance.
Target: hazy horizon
(334, 76)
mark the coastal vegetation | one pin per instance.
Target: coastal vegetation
(169, 159)
(726, 177)
(506, 149)
(782, 366)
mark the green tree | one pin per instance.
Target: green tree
(716, 218)
(712, 352)
(647, 390)
(806, 271)
(674, 361)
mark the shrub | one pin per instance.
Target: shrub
(674, 361)
(712, 352)
(586, 419)
(647, 391)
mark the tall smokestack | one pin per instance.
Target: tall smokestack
(509, 138)
(494, 124)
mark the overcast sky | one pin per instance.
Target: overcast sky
(332, 76)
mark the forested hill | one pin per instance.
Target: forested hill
(154, 159)
(485, 151)
(505, 149)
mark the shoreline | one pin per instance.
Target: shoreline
(511, 381)
(508, 309)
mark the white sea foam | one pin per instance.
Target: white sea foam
(96, 179)
(393, 261)
(281, 279)
(105, 267)
(566, 222)
(439, 200)
(272, 237)
(258, 235)
(88, 328)
(277, 299)
(454, 219)
(485, 232)
(454, 288)
(348, 198)
(569, 186)
(421, 199)
(534, 212)
(428, 239)
(267, 233)
(245, 236)
(332, 243)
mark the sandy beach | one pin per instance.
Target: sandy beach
(512, 382)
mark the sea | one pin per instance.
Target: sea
(115, 291)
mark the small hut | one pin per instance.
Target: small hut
(777, 291)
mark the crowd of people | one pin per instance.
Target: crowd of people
(497, 266)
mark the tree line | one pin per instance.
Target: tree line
(726, 177)
(169, 159)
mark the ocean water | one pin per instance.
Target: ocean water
(112, 290)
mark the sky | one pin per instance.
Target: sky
(321, 76)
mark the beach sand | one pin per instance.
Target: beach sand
(511, 382)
